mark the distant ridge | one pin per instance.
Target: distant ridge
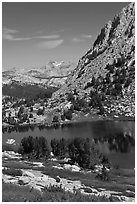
(53, 74)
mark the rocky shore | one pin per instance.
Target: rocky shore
(34, 177)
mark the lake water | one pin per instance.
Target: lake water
(116, 139)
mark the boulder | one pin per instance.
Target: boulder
(75, 168)
(11, 155)
(23, 180)
(28, 174)
(67, 166)
(58, 179)
(10, 141)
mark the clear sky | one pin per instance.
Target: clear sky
(36, 32)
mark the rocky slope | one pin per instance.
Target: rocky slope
(105, 75)
(53, 74)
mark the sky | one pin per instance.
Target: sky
(33, 33)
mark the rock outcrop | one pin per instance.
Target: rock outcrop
(37, 180)
(107, 70)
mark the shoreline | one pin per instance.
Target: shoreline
(65, 123)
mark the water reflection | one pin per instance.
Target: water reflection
(119, 142)
(116, 139)
(109, 137)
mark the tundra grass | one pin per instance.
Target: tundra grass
(121, 180)
(126, 180)
(25, 194)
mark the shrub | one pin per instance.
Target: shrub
(103, 176)
(40, 111)
(93, 81)
(27, 144)
(68, 114)
(110, 68)
(84, 152)
(63, 117)
(96, 101)
(31, 115)
(101, 109)
(70, 97)
(53, 188)
(118, 88)
(55, 119)
(108, 78)
(127, 83)
(79, 103)
(55, 147)
(120, 61)
(40, 148)
(12, 172)
(63, 147)
(36, 147)
(89, 84)
(59, 147)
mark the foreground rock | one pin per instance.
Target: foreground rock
(11, 155)
(38, 180)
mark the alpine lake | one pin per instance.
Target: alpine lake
(115, 139)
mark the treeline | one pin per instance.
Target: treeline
(80, 150)
(27, 91)
(117, 79)
(34, 147)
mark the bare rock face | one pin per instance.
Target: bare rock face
(108, 68)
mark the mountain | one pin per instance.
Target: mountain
(35, 82)
(53, 74)
(105, 76)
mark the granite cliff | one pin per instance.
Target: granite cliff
(105, 76)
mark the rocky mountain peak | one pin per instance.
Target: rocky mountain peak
(122, 27)
(108, 68)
